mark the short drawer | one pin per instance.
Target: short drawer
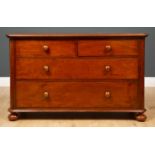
(118, 68)
(115, 95)
(45, 48)
(117, 47)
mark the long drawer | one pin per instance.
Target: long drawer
(118, 68)
(116, 95)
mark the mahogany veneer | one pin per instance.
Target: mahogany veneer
(77, 73)
(77, 68)
(64, 94)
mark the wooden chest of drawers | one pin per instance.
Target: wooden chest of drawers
(77, 73)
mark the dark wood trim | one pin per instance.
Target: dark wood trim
(76, 35)
(80, 80)
(12, 73)
(79, 57)
(76, 110)
(141, 72)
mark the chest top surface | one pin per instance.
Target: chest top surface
(58, 35)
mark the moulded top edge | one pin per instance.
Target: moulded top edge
(76, 35)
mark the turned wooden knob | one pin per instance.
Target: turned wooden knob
(46, 68)
(107, 94)
(107, 68)
(108, 48)
(45, 48)
(46, 95)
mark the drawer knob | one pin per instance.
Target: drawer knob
(107, 94)
(108, 48)
(46, 95)
(46, 68)
(45, 48)
(107, 68)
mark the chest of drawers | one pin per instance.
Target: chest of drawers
(77, 73)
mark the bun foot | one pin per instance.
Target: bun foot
(13, 117)
(141, 117)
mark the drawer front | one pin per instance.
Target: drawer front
(110, 95)
(41, 48)
(108, 47)
(126, 68)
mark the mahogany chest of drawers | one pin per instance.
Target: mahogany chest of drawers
(77, 73)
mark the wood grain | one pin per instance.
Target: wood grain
(34, 48)
(76, 95)
(126, 68)
(118, 47)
